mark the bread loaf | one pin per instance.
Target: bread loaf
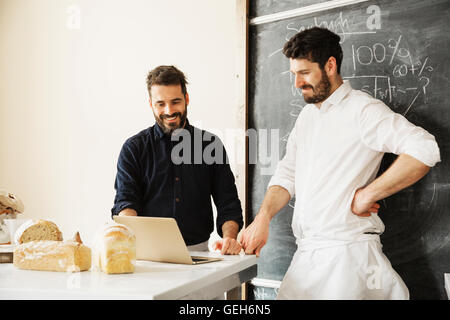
(10, 206)
(37, 230)
(10, 203)
(51, 255)
(114, 249)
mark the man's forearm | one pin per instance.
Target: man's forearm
(230, 229)
(403, 172)
(256, 234)
(275, 199)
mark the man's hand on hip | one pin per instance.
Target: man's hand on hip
(362, 206)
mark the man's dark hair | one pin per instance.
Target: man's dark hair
(316, 45)
(165, 76)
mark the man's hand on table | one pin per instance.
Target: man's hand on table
(255, 236)
(228, 246)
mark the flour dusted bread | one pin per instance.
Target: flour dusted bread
(114, 249)
(37, 230)
(52, 255)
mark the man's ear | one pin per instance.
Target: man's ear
(331, 66)
(150, 102)
(186, 97)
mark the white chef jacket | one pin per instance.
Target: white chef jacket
(331, 152)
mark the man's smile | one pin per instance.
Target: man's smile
(171, 118)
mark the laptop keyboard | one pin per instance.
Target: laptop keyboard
(195, 259)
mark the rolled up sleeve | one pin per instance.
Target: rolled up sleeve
(225, 195)
(285, 172)
(127, 183)
(383, 130)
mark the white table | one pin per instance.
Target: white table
(151, 280)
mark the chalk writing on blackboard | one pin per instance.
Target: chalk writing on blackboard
(401, 63)
(340, 25)
(399, 78)
(262, 293)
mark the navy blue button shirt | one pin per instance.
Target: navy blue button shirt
(149, 182)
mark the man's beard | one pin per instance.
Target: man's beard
(321, 90)
(169, 128)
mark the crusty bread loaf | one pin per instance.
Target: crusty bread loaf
(10, 206)
(37, 230)
(50, 255)
(10, 203)
(114, 249)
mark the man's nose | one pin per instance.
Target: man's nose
(299, 82)
(169, 109)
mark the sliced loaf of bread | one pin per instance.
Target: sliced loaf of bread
(37, 230)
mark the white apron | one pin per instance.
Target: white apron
(325, 270)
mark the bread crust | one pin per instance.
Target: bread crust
(114, 249)
(50, 255)
(10, 203)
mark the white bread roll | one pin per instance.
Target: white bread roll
(50, 255)
(37, 230)
(114, 249)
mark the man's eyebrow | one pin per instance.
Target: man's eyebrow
(301, 70)
(173, 100)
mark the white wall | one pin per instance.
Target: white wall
(69, 97)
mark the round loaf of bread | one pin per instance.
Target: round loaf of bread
(10, 203)
(37, 230)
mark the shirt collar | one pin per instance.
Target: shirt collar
(159, 133)
(337, 96)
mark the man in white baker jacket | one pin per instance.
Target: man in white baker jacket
(331, 162)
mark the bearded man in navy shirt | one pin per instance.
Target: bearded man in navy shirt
(172, 169)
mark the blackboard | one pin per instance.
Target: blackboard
(398, 52)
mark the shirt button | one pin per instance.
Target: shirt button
(177, 199)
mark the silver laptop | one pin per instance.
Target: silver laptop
(160, 239)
